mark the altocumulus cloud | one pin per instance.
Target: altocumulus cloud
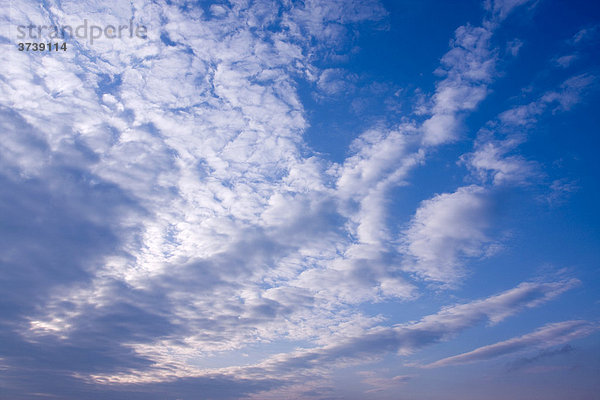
(161, 208)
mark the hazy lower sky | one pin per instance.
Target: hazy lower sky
(319, 199)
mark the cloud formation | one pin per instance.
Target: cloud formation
(447, 229)
(548, 336)
(166, 227)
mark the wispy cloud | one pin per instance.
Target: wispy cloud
(542, 355)
(468, 68)
(382, 383)
(500, 9)
(371, 344)
(548, 335)
(495, 158)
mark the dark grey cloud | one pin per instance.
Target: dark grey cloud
(540, 356)
(51, 384)
(55, 227)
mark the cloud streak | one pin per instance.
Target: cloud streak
(403, 339)
(548, 335)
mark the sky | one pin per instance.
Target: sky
(319, 199)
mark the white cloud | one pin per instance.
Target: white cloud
(468, 68)
(585, 34)
(571, 91)
(335, 81)
(565, 61)
(216, 227)
(500, 9)
(370, 344)
(559, 191)
(205, 138)
(494, 158)
(491, 162)
(382, 383)
(513, 47)
(445, 231)
(547, 336)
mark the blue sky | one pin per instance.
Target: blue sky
(337, 199)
